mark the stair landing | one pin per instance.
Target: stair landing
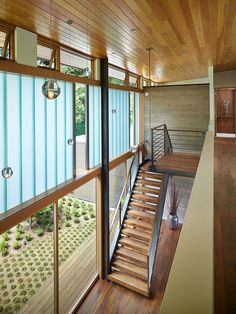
(182, 164)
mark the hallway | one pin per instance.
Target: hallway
(225, 226)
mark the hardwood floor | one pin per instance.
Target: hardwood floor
(225, 226)
(182, 164)
(107, 297)
(74, 275)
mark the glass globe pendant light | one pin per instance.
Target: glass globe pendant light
(50, 89)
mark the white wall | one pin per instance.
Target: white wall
(190, 285)
(25, 47)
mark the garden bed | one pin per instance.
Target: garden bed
(27, 250)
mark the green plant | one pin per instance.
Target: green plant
(76, 220)
(5, 236)
(76, 212)
(14, 293)
(24, 300)
(16, 300)
(17, 307)
(86, 217)
(3, 244)
(84, 211)
(31, 292)
(39, 231)
(5, 294)
(23, 292)
(13, 286)
(18, 236)
(20, 228)
(16, 245)
(67, 223)
(22, 286)
(5, 252)
(92, 215)
(28, 237)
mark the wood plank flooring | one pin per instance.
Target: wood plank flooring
(107, 297)
(225, 226)
(178, 164)
(74, 276)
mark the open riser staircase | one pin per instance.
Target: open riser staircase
(132, 261)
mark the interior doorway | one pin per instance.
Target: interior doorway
(225, 112)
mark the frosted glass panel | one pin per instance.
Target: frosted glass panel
(118, 122)
(37, 134)
(94, 126)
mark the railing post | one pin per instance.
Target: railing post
(120, 215)
(152, 148)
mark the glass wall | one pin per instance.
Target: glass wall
(81, 127)
(77, 245)
(34, 134)
(26, 265)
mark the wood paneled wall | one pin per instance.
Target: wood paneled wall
(177, 106)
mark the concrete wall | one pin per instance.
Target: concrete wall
(225, 79)
(190, 284)
(178, 106)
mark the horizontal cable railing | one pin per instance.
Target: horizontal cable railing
(156, 229)
(160, 142)
(167, 140)
(186, 140)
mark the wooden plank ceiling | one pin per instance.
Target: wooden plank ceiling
(187, 35)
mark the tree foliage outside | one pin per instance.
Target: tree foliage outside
(114, 80)
(80, 105)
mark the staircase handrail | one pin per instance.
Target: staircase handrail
(126, 192)
(156, 227)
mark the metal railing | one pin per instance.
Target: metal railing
(120, 211)
(160, 142)
(186, 140)
(156, 229)
(165, 141)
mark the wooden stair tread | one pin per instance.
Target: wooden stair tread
(131, 232)
(143, 206)
(131, 269)
(146, 190)
(153, 176)
(148, 182)
(134, 244)
(130, 282)
(132, 256)
(138, 223)
(145, 198)
(141, 215)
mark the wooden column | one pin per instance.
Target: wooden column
(105, 170)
